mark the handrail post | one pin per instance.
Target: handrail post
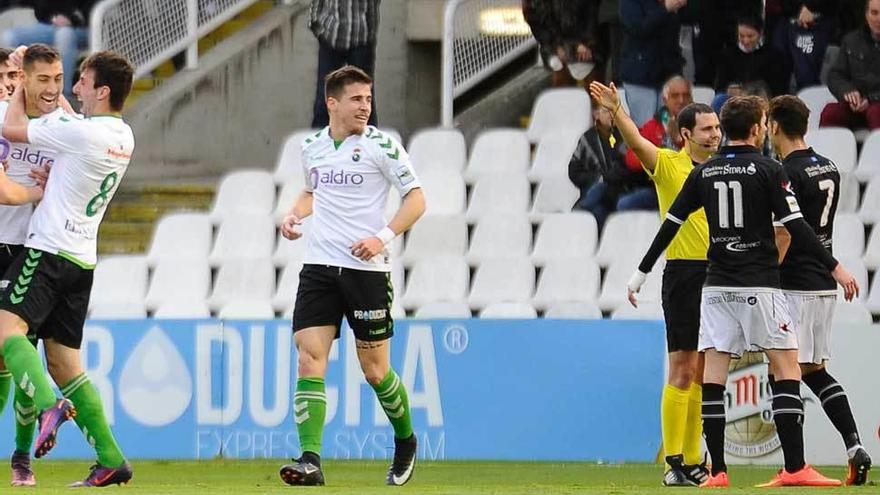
(192, 30)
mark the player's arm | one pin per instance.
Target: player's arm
(15, 126)
(687, 201)
(787, 210)
(300, 209)
(12, 193)
(609, 98)
(783, 241)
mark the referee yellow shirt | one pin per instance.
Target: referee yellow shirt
(670, 172)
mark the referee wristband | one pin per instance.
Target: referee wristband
(386, 235)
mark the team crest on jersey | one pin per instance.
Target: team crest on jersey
(356, 155)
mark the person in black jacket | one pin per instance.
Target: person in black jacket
(597, 168)
(566, 31)
(803, 34)
(854, 78)
(747, 63)
(62, 24)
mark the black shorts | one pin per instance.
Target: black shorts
(327, 293)
(50, 293)
(682, 291)
(8, 253)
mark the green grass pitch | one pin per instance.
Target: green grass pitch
(351, 477)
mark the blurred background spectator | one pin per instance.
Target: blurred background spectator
(597, 168)
(567, 32)
(714, 31)
(749, 61)
(855, 76)
(662, 129)
(62, 24)
(651, 52)
(346, 32)
(802, 33)
(611, 34)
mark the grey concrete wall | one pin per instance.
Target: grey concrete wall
(249, 93)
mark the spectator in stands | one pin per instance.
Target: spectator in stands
(63, 25)
(651, 52)
(802, 35)
(662, 130)
(749, 62)
(346, 32)
(611, 33)
(714, 31)
(597, 169)
(567, 34)
(855, 76)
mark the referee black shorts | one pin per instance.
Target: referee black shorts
(327, 293)
(50, 293)
(682, 291)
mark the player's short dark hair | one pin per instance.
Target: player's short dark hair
(336, 81)
(740, 113)
(792, 115)
(4, 55)
(39, 52)
(751, 21)
(687, 117)
(114, 71)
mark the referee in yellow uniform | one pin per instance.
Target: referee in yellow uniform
(683, 278)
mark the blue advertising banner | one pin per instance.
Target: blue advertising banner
(479, 389)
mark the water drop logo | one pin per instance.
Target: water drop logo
(155, 384)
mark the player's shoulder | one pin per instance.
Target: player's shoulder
(311, 140)
(375, 138)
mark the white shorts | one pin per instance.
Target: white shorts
(812, 313)
(739, 319)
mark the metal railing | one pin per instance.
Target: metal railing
(479, 38)
(150, 32)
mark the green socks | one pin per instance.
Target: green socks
(309, 411)
(5, 383)
(25, 420)
(24, 362)
(90, 419)
(392, 396)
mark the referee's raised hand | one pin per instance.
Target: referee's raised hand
(607, 96)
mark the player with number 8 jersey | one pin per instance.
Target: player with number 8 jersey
(48, 285)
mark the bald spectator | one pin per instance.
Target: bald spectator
(855, 77)
(662, 129)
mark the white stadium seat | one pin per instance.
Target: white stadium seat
(244, 236)
(613, 293)
(504, 194)
(183, 308)
(502, 280)
(244, 192)
(438, 149)
(443, 310)
(816, 97)
(291, 252)
(584, 310)
(498, 152)
(645, 311)
(703, 94)
(500, 235)
(553, 155)
(567, 280)
(181, 236)
(869, 210)
(849, 194)
(837, 144)
(445, 192)
(435, 235)
(872, 251)
(627, 236)
(185, 280)
(873, 300)
(554, 195)
(443, 278)
(509, 310)
(559, 110)
(286, 197)
(288, 168)
(869, 158)
(243, 280)
(565, 235)
(285, 293)
(119, 287)
(849, 236)
(851, 313)
(247, 310)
